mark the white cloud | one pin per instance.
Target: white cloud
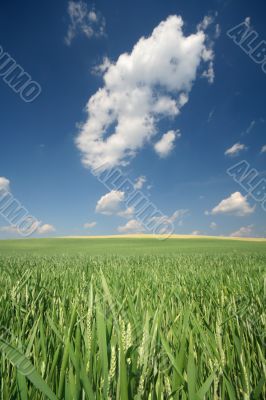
(140, 88)
(102, 68)
(213, 225)
(166, 144)
(176, 217)
(195, 233)
(217, 31)
(183, 99)
(263, 149)
(9, 229)
(235, 149)
(244, 231)
(110, 203)
(128, 213)
(132, 226)
(208, 54)
(139, 182)
(247, 21)
(236, 204)
(211, 113)
(250, 127)
(4, 183)
(84, 21)
(209, 73)
(204, 24)
(164, 222)
(41, 230)
(45, 228)
(89, 225)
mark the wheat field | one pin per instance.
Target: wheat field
(178, 326)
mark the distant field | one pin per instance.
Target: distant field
(132, 319)
(130, 246)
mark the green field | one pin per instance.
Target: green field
(132, 319)
(129, 246)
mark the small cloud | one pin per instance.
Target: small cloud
(247, 21)
(45, 228)
(183, 99)
(128, 213)
(89, 225)
(195, 233)
(218, 30)
(236, 204)
(139, 182)
(4, 183)
(210, 115)
(209, 73)
(244, 231)
(213, 225)
(176, 217)
(132, 226)
(9, 229)
(207, 20)
(166, 144)
(102, 68)
(235, 149)
(110, 203)
(263, 149)
(208, 54)
(91, 23)
(250, 127)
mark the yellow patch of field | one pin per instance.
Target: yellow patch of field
(153, 236)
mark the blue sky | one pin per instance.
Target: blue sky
(171, 127)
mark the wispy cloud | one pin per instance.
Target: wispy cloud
(83, 20)
(217, 31)
(127, 213)
(213, 225)
(45, 228)
(89, 225)
(209, 73)
(244, 231)
(206, 22)
(235, 149)
(196, 233)
(16, 209)
(177, 217)
(41, 230)
(250, 127)
(9, 229)
(210, 116)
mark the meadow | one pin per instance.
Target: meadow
(132, 319)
